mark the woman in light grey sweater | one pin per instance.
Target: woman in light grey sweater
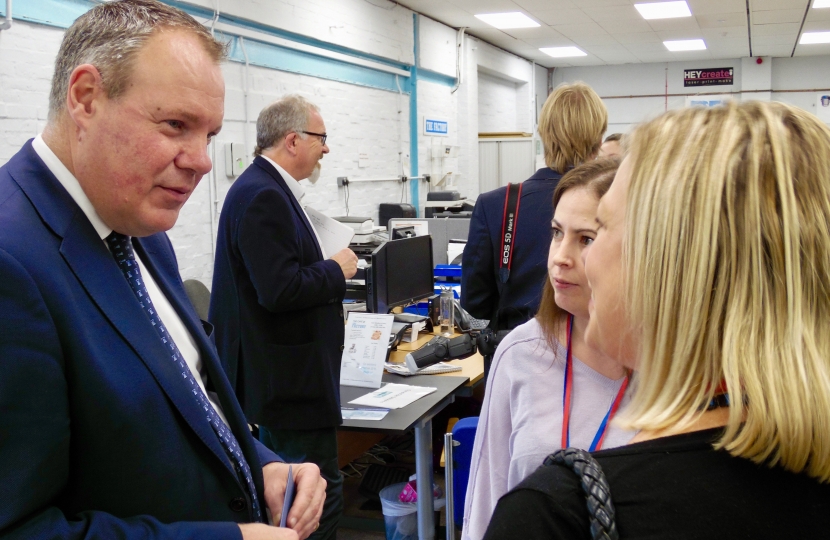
(547, 389)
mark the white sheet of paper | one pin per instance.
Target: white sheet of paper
(393, 396)
(364, 414)
(334, 235)
(364, 351)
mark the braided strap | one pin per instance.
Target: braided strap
(595, 486)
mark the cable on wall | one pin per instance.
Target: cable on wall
(459, 52)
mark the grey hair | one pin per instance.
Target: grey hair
(110, 35)
(289, 114)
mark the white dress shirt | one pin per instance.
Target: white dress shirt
(178, 331)
(299, 192)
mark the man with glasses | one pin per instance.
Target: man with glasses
(276, 299)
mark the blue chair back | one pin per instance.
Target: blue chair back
(464, 433)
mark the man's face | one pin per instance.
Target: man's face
(610, 149)
(139, 156)
(311, 150)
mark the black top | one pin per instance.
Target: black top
(675, 487)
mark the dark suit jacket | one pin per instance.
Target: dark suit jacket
(482, 293)
(99, 438)
(276, 305)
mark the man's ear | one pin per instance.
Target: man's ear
(291, 143)
(86, 89)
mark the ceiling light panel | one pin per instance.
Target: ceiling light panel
(685, 45)
(665, 10)
(563, 52)
(511, 19)
(818, 4)
(810, 38)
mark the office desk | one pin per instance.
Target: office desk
(417, 415)
(472, 367)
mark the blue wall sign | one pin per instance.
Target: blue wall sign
(436, 127)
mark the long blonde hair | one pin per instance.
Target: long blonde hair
(727, 271)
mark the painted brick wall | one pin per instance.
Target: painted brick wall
(497, 104)
(27, 55)
(358, 119)
(379, 27)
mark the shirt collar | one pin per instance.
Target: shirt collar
(296, 189)
(71, 185)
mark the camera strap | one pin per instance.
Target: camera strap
(508, 229)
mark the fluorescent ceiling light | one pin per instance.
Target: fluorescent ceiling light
(685, 45)
(512, 19)
(809, 38)
(817, 4)
(665, 10)
(563, 52)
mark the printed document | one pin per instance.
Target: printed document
(393, 396)
(364, 352)
(333, 235)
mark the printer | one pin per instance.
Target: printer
(447, 204)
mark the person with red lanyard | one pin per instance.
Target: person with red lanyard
(548, 389)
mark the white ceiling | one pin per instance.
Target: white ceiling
(613, 32)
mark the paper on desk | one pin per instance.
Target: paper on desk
(334, 235)
(364, 414)
(393, 396)
(365, 348)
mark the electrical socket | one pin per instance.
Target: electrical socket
(342, 181)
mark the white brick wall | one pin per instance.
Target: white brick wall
(497, 104)
(357, 119)
(27, 55)
(377, 27)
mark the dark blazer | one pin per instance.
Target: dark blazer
(482, 293)
(98, 435)
(276, 304)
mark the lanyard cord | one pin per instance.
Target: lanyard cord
(596, 444)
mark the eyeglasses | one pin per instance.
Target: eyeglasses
(322, 136)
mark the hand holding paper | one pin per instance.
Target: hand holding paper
(334, 236)
(310, 492)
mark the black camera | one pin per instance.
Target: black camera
(438, 349)
(488, 341)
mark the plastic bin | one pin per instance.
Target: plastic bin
(401, 518)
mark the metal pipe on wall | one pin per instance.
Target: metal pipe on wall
(7, 22)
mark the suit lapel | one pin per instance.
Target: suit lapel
(96, 270)
(298, 210)
(154, 255)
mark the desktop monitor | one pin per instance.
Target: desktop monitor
(401, 273)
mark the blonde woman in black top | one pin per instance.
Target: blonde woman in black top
(711, 276)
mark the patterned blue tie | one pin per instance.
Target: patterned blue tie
(122, 250)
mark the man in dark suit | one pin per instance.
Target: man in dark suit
(116, 418)
(276, 299)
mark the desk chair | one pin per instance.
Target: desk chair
(459, 457)
(199, 296)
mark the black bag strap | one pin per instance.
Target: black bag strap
(508, 229)
(595, 486)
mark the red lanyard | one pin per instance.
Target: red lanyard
(596, 444)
